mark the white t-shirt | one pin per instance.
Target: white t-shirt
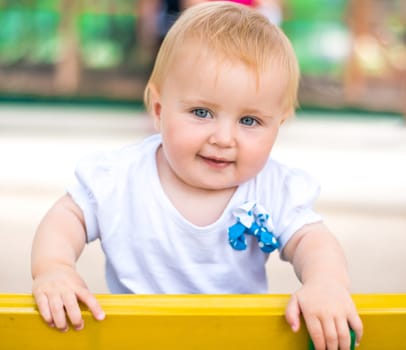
(151, 249)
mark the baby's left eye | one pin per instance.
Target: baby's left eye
(248, 121)
(201, 113)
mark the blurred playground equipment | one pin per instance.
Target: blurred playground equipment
(192, 322)
(352, 52)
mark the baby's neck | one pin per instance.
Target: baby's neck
(201, 208)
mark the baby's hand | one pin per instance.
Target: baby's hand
(328, 311)
(57, 293)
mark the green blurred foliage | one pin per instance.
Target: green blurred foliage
(106, 40)
(50, 5)
(317, 10)
(29, 32)
(322, 47)
(319, 35)
(28, 35)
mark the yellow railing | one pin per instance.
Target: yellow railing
(192, 322)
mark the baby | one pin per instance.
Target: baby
(198, 207)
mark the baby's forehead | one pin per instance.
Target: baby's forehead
(209, 71)
(201, 53)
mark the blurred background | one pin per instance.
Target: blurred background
(352, 53)
(72, 75)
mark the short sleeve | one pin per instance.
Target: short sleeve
(295, 202)
(93, 186)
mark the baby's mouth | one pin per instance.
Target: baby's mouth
(216, 162)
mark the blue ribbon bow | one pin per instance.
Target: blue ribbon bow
(252, 220)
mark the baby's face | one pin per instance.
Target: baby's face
(218, 121)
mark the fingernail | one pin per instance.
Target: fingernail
(80, 327)
(100, 316)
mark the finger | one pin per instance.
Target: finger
(43, 308)
(73, 311)
(330, 334)
(316, 333)
(355, 323)
(292, 313)
(91, 302)
(58, 313)
(343, 333)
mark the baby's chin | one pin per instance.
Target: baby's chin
(215, 187)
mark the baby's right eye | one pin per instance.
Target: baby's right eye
(201, 113)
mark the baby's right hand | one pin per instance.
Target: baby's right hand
(57, 293)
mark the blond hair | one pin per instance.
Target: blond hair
(233, 32)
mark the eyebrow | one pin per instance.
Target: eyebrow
(259, 112)
(198, 102)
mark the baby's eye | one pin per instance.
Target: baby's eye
(201, 113)
(248, 121)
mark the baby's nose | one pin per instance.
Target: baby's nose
(223, 135)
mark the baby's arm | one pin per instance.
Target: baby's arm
(324, 299)
(57, 287)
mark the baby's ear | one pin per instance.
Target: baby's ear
(154, 102)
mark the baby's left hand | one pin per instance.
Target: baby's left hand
(328, 311)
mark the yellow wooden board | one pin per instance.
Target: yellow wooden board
(192, 322)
